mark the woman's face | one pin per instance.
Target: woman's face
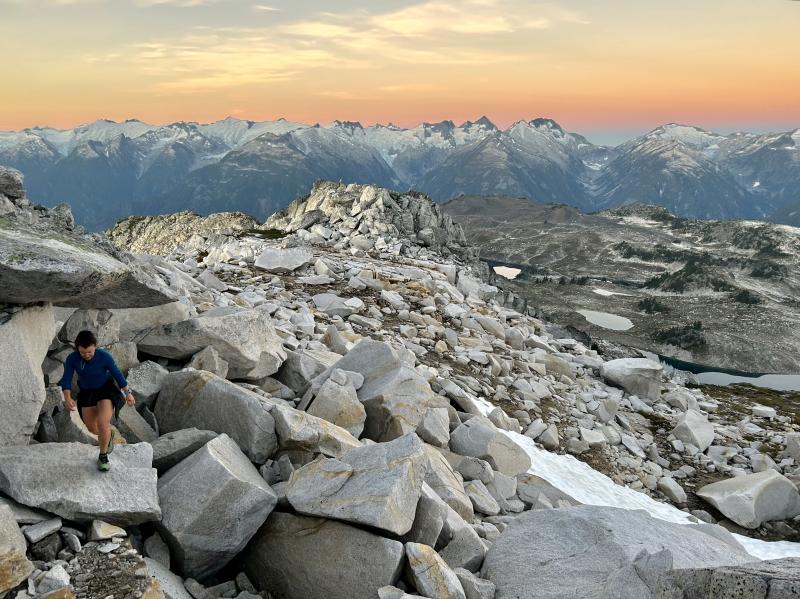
(87, 353)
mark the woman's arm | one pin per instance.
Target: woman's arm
(120, 378)
(112, 367)
(66, 383)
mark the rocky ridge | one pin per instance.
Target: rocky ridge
(351, 410)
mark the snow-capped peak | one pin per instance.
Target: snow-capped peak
(686, 134)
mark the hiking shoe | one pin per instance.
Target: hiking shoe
(110, 447)
(102, 463)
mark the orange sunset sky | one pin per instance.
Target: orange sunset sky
(602, 68)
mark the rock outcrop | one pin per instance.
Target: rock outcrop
(62, 478)
(359, 215)
(45, 258)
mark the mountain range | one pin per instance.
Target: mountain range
(107, 170)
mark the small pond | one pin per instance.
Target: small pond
(607, 320)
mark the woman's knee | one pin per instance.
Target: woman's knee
(103, 424)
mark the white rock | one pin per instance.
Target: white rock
(669, 487)
(479, 438)
(339, 405)
(279, 260)
(333, 305)
(753, 499)
(764, 412)
(695, 429)
(638, 376)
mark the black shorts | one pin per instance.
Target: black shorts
(88, 398)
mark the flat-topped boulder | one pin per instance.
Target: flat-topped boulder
(44, 264)
(160, 234)
(24, 339)
(245, 338)
(753, 499)
(778, 579)
(375, 485)
(212, 503)
(333, 305)
(62, 478)
(199, 399)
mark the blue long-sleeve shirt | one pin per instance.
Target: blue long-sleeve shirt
(92, 374)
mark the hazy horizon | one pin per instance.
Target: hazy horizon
(598, 137)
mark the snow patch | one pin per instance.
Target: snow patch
(590, 487)
(507, 272)
(607, 293)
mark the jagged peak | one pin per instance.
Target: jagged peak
(446, 125)
(481, 122)
(546, 123)
(347, 124)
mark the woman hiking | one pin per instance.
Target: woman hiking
(98, 394)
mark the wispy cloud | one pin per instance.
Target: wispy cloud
(206, 58)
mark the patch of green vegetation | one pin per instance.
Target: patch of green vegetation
(764, 239)
(651, 305)
(17, 258)
(768, 270)
(689, 337)
(656, 253)
(738, 399)
(747, 297)
(695, 274)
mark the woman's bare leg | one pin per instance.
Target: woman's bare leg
(105, 409)
(89, 416)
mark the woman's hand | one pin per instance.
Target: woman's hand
(129, 399)
(69, 402)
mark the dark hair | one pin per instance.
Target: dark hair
(85, 339)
